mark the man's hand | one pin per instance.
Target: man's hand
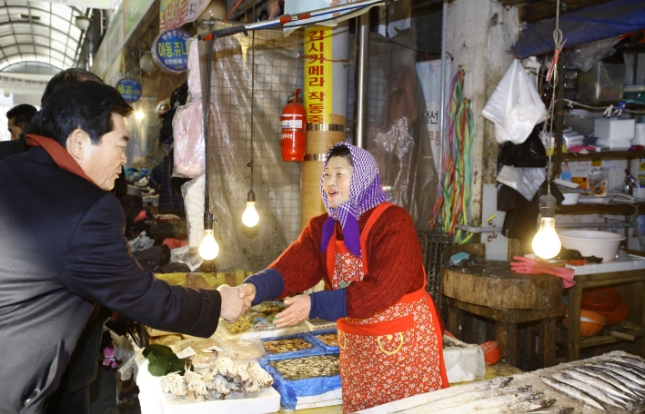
(298, 311)
(232, 305)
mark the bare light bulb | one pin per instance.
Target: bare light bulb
(546, 243)
(209, 249)
(250, 216)
(139, 115)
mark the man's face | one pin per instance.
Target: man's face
(102, 162)
(14, 129)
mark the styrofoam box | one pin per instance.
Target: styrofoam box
(464, 362)
(614, 128)
(154, 401)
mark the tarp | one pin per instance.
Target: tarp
(583, 26)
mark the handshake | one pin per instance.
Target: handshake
(235, 300)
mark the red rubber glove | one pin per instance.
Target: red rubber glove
(527, 265)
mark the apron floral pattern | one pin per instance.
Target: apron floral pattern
(393, 354)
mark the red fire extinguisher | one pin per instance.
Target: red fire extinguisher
(294, 123)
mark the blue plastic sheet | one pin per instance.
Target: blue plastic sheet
(291, 390)
(583, 26)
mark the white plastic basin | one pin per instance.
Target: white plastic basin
(592, 243)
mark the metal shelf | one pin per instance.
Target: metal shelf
(616, 209)
(603, 155)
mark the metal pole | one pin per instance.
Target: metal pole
(442, 100)
(361, 79)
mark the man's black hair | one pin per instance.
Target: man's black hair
(22, 115)
(85, 105)
(342, 151)
(179, 95)
(66, 76)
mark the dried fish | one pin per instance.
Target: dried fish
(594, 392)
(174, 384)
(241, 325)
(573, 393)
(308, 367)
(330, 339)
(283, 345)
(259, 375)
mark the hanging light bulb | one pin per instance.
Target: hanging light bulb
(250, 217)
(139, 114)
(209, 249)
(546, 243)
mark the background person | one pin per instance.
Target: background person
(19, 119)
(367, 252)
(64, 249)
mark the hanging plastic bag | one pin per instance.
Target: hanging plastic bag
(515, 107)
(526, 181)
(189, 140)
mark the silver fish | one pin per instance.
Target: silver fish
(427, 398)
(633, 368)
(637, 389)
(470, 397)
(594, 372)
(573, 393)
(606, 387)
(558, 410)
(629, 360)
(622, 370)
(477, 405)
(587, 388)
(520, 407)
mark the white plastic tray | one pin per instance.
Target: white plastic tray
(622, 264)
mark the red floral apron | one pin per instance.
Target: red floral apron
(392, 354)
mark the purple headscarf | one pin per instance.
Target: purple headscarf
(365, 192)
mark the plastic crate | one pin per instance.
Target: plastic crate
(432, 245)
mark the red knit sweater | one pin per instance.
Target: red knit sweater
(394, 260)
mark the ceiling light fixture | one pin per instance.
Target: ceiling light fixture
(82, 22)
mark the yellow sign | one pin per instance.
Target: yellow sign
(318, 74)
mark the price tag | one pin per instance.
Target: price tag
(188, 352)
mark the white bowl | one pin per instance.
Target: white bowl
(570, 199)
(592, 243)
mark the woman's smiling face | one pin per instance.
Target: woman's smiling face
(336, 180)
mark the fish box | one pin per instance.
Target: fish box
(291, 346)
(296, 394)
(464, 362)
(327, 339)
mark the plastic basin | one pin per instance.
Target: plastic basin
(591, 322)
(600, 299)
(617, 315)
(602, 244)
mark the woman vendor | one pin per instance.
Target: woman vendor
(367, 251)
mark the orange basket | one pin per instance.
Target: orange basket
(617, 315)
(600, 299)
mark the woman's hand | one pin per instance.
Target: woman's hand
(298, 311)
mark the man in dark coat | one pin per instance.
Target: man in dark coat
(63, 249)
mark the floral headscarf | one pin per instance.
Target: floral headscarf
(365, 192)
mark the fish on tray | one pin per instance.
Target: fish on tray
(280, 346)
(308, 367)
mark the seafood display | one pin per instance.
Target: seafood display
(330, 339)
(308, 367)
(241, 325)
(280, 346)
(611, 383)
(222, 378)
(260, 317)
